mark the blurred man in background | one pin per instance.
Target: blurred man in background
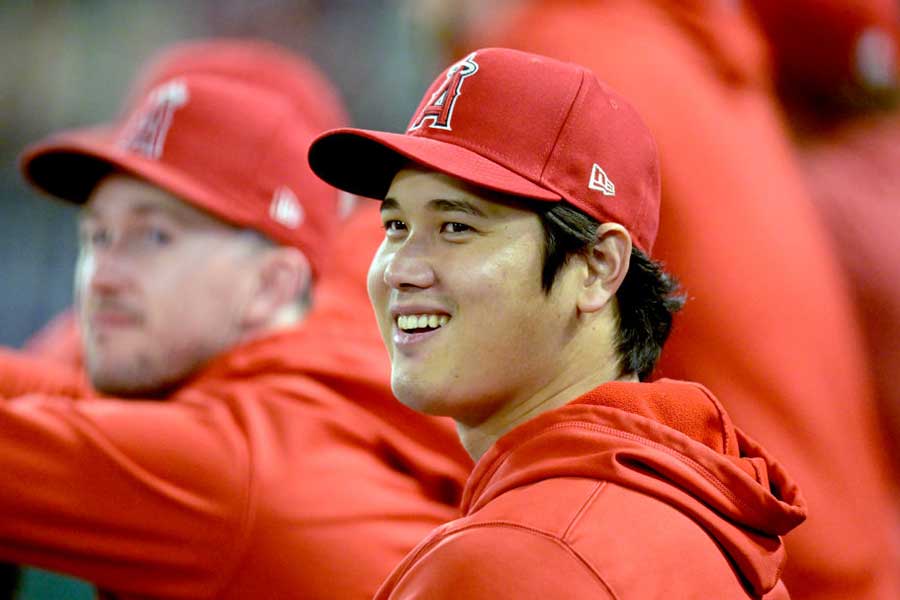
(769, 326)
(231, 443)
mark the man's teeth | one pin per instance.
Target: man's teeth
(407, 322)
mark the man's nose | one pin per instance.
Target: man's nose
(410, 267)
(104, 272)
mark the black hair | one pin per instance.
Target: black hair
(648, 297)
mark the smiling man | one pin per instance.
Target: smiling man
(239, 438)
(516, 294)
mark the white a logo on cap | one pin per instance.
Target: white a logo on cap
(439, 109)
(146, 132)
(286, 209)
(601, 182)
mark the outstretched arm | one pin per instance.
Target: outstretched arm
(140, 497)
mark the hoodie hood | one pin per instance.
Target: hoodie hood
(668, 439)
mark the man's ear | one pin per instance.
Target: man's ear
(283, 273)
(607, 262)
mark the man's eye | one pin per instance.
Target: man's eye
(151, 236)
(157, 236)
(394, 225)
(98, 238)
(454, 227)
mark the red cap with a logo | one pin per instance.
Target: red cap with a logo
(517, 123)
(224, 125)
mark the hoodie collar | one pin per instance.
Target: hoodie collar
(669, 439)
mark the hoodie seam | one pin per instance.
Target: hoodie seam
(722, 424)
(703, 471)
(583, 509)
(486, 478)
(539, 532)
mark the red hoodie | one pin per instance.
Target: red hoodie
(635, 490)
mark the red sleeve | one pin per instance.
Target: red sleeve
(59, 341)
(139, 497)
(497, 561)
(22, 374)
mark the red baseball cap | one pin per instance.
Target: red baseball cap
(225, 125)
(517, 123)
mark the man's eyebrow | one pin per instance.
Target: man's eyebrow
(143, 210)
(86, 212)
(140, 209)
(147, 210)
(445, 205)
(439, 205)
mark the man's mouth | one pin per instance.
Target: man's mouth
(113, 318)
(421, 323)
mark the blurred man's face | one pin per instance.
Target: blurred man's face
(456, 287)
(158, 287)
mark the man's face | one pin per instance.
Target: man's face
(158, 287)
(456, 287)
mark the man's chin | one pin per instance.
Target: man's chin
(421, 397)
(129, 383)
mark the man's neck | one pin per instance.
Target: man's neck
(287, 317)
(479, 438)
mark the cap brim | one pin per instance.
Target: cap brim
(364, 163)
(70, 165)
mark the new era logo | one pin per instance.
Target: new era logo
(285, 208)
(601, 182)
